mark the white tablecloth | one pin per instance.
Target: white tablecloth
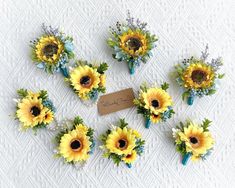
(183, 27)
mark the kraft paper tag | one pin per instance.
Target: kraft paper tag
(116, 101)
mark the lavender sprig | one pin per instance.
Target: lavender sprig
(205, 54)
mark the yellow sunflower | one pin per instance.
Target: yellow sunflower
(197, 141)
(48, 49)
(32, 94)
(198, 75)
(157, 100)
(134, 42)
(84, 79)
(49, 116)
(102, 80)
(31, 112)
(136, 133)
(121, 141)
(75, 145)
(155, 118)
(130, 158)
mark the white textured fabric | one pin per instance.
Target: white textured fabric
(183, 27)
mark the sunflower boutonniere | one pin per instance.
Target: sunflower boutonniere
(198, 77)
(193, 140)
(34, 110)
(132, 42)
(88, 80)
(75, 142)
(122, 144)
(52, 50)
(154, 103)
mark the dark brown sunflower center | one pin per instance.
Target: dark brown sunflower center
(134, 43)
(128, 156)
(122, 143)
(50, 49)
(75, 145)
(193, 140)
(198, 76)
(85, 80)
(155, 103)
(35, 111)
(156, 116)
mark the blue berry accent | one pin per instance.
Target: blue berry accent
(128, 165)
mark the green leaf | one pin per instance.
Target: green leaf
(165, 86)
(211, 92)
(220, 76)
(116, 158)
(77, 120)
(22, 92)
(102, 68)
(144, 87)
(122, 123)
(185, 95)
(71, 55)
(43, 94)
(205, 124)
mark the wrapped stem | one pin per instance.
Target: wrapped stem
(147, 123)
(186, 158)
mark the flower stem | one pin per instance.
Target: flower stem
(64, 71)
(131, 66)
(190, 100)
(147, 123)
(186, 158)
(128, 165)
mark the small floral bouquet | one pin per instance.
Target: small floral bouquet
(132, 42)
(34, 110)
(122, 144)
(52, 50)
(154, 103)
(88, 80)
(75, 142)
(198, 77)
(193, 140)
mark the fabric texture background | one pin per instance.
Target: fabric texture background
(184, 28)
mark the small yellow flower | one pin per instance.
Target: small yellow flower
(136, 133)
(197, 141)
(30, 111)
(198, 75)
(102, 80)
(82, 128)
(121, 141)
(48, 49)
(155, 118)
(75, 145)
(134, 42)
(84, 79)
(49, 116)
(157, 100)
(130, 158)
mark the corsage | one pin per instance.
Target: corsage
(198, 77)
(75, 142)
(88, 80)
(154, 103)
(34, 110)
(52, 50)
(122, 144)
(193, 141)
(132, 42)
